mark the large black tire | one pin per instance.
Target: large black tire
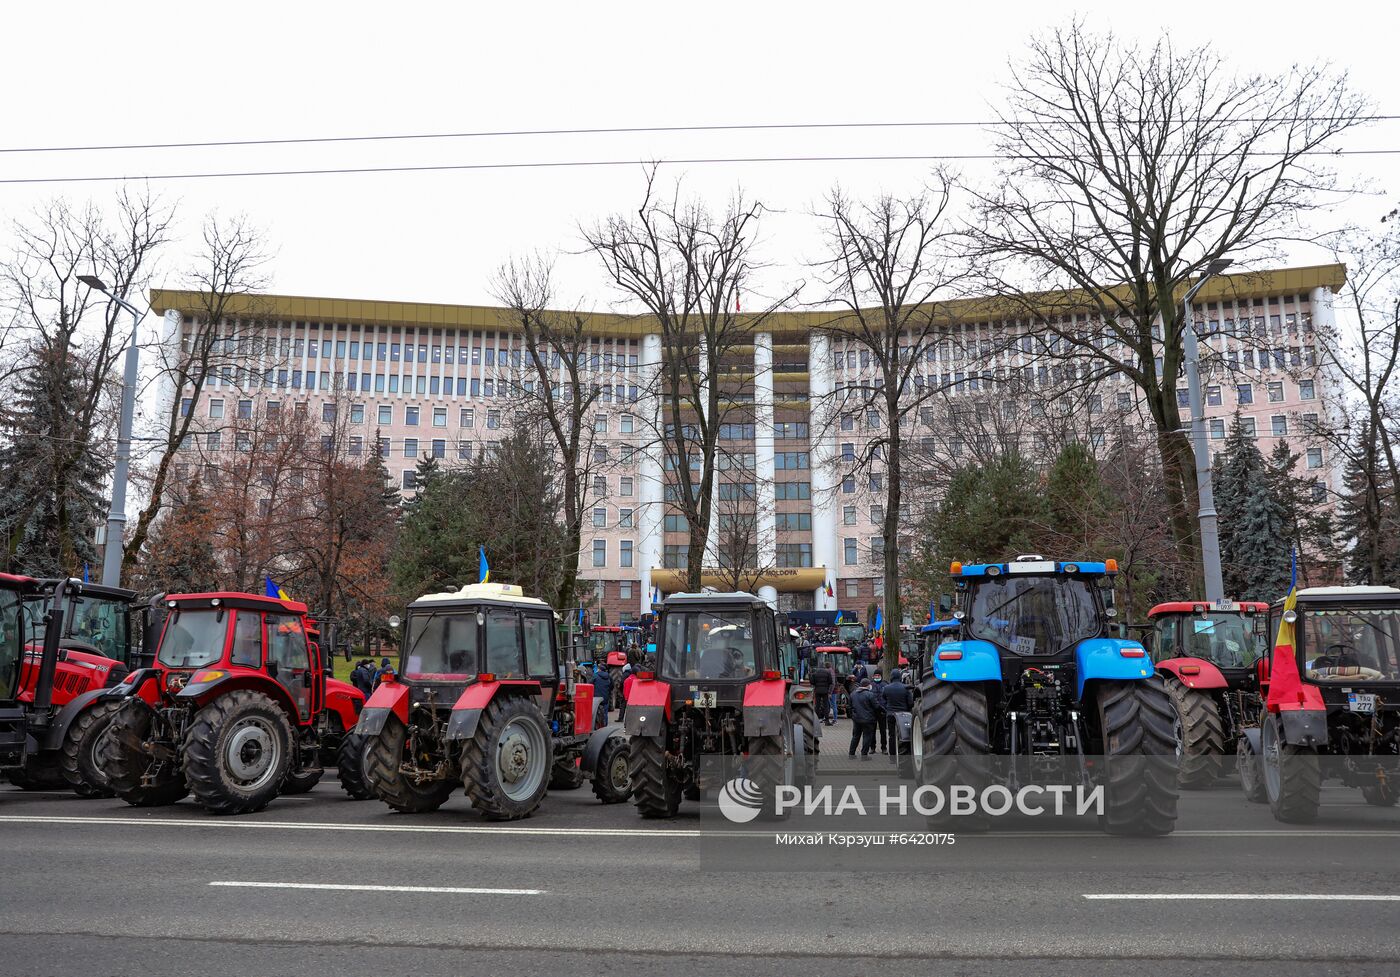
(566, 775)
(805, 715)
(952, 722)
(766, 768)
(40, 772)
(350, 766)
(130, 770)
(1251, 776)
(1200, 736)
(383, 773)
(655, 794)
(506, 765)
(1292, 776)
(79, 754)
(612, 780)
(1139, 750)
(301, 781)
(1381, 795)
(237, 752)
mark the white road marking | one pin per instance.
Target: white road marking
(1241, 896)
(451, 890)
(490, 829)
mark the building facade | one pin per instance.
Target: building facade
(413, 380)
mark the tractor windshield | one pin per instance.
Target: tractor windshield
(603, 643)
(1347, 645)
(441, 645)
(12, 626)
(1228, 640)
(709, 645)
(104, 624)
(194, 638)
(850, 634)
(1034, 615)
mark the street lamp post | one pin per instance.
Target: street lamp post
(1209, 520)
(116, 514)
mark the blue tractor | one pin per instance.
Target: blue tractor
(1037, 679)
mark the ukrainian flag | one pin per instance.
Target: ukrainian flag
(272, 589)
(483, 567)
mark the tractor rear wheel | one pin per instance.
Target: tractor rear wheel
(1251, 775)
(382, 761)
(1381, 795)
(1200, 736)
(955, 733)
(656, 794)
(804, 714)
(129, 768)
(237, 752)
(1292, 776)
(350, 766)
(1140, 793)
(767, 768)
(79, 754)
(612, 784)
(40, 772)
(566, 775)
(505, 766)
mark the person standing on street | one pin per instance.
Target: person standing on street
(822, 682)
(877, 688)
(864, 712)
(602, 688)
(898, 698)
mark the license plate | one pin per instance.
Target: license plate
(708, 700)
(1361, 702)
(1223, 605)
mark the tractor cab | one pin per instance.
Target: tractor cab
(719, 641)
(97, 642)
(851, 635)
(930, 636)
(609, 645)
(17, 632)
(789, 657)
(1222, 633)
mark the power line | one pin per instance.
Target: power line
(628, 130)
(563, 164)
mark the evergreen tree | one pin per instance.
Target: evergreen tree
(1254, 540)
(181, 556)
(1367, 519)
(1307, 523)
(1078, 505)
(52, 496)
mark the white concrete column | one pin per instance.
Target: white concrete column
(824, 419)
(769, 595)
(649, 469)
(763, 449)
(1328, 384)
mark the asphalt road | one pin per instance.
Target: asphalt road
(96, 887)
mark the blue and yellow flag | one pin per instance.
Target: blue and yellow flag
(483, 568)
(273, 590)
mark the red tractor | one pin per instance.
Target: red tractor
(478, 702)
(1206, 654)
(1331, 700)
(235, 709)
(611, 647)
(93, 631)
(718, 691)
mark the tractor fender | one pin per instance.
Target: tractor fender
(467, 710)
(1103, 658)
(1254, 736)
(344, 701)
(1287, 690)
(648, 708)
(391, 698)
(979, 662)
(596, 741)
(200, 694)
(1304, 727)
(1208, 676)
(765, 704)
(58, 729)
(143, 684)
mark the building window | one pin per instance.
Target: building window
(1217, 428)
(357, 413)
(410, 416)
(439, 448)
(493, 420)
(1314, 457)
(628, 423)
(624, 486)
(624, 518)
(1125, 399)
(216, 407)
(877, 514)
(848, 422)
(875, 481)
(1213, 398)
(600, 486)
(410, 447)
(849, 546)
(1276, 392)
(408, 480)
(624, 554)
(211, 440)
(464, 450)
(1248, 427)
(600, 423)
(1244, 393)
(852, 588)
(849, 515)
(848, 451)
(792, 490)
(386, 414)
(439, 416)
(794, 554)
(600, 518)
(675, 556)
(676, 523)
(848, 485)
(1319, 491)
(357, 445)
(624, 589)
(1280, 423)
(1307, 390)
(600, 552)
(872, 419)
(793, 522)
(789, 461)
(245, 409)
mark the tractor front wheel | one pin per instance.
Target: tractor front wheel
(1135, 720)
(566, 775)
(350, 766)
(79, 755)
(301, 781)
(656, 794)
(612, 783)
(956, 744)
(237, 752)
(129, 767)
(1200, 736)
(1251, 776)
(506, 765)
(383, 758)
(1292, 776)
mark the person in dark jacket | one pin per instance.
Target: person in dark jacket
(860, 671)
(362, 677)
(823, 681)
(877, 687)
(602, 688)
(384, 669)
(898, 698)
(864, 712)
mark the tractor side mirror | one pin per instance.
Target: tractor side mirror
(272, 668)
(945, 603)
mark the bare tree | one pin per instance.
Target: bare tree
(1126, 172)
(227, 271)
(889, 266)
(688, 269)
(744, 531)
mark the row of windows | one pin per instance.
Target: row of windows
(379, 383)
(514, 357)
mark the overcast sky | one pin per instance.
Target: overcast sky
(77, 74)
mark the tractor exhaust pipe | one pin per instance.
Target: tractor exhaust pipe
(53, 635)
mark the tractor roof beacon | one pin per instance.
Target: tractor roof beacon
(719, 690)
(72, 641)
(1037, 670)
(1331, 689)
(235, 708)
(481, 701)
(1206, 654)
